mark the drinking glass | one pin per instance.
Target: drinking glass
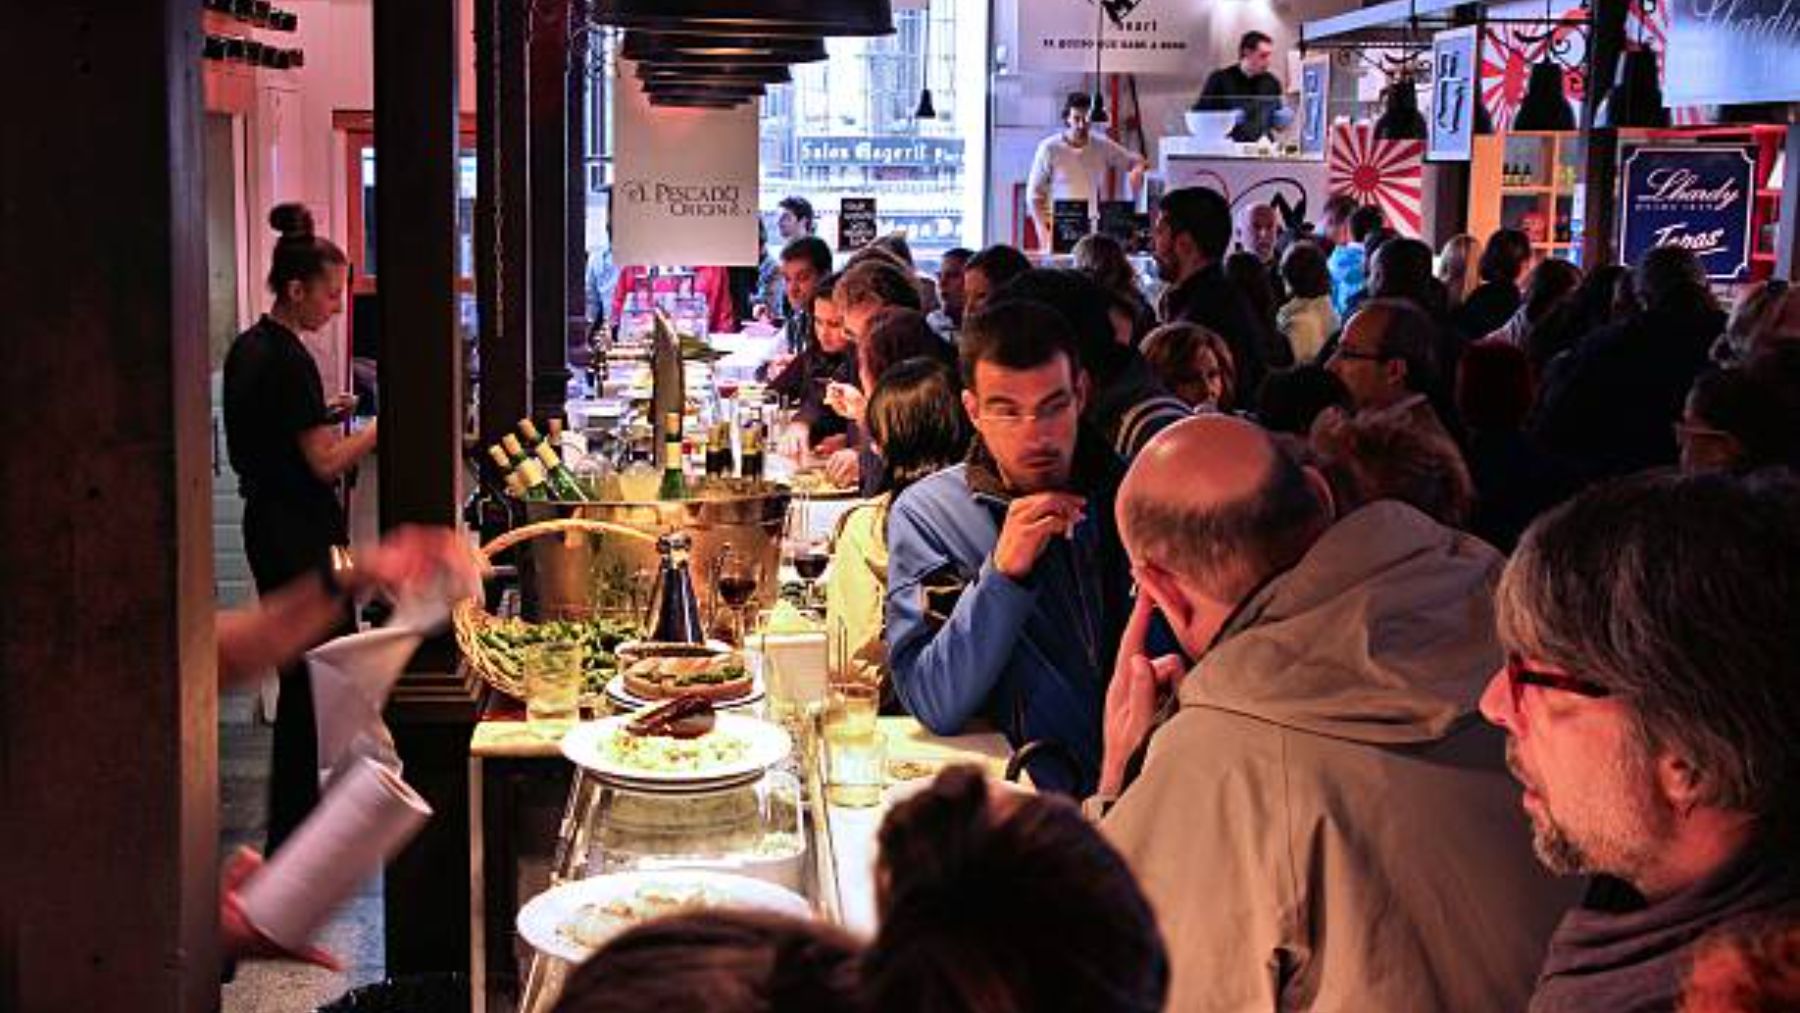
(856, 752)
(735, 581)
(552, 687)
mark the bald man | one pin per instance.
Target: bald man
(1320, 818)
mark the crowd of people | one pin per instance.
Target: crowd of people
(1414, 630)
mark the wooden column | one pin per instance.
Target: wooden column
(547, 60)
(108, 681)
(575, 318)
(431, 712)
(500, 245)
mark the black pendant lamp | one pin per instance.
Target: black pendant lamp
(926, 109)
(762, 17)
(1636, 98)
(1400, 118)
(688, 47)
(1546, 105)
(760, 73)
(1097, 107)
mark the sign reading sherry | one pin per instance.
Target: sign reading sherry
(1697, 197)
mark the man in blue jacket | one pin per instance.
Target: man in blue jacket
(1007, 584)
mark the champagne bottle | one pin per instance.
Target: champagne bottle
(556, 430)
(718, 451)
(674, 479)
(532, 474)
(514, 450)
(502, 463)
(558, 477)
(515, 485)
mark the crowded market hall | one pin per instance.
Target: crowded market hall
(863, 506)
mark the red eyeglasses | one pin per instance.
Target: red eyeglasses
(1518, 676)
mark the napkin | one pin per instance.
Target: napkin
(366, 817)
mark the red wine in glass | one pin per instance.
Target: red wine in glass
(736, 589)
(810, 563)
(728, 389)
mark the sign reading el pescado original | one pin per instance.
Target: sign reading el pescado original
(1697, 197)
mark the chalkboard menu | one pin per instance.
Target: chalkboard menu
(856, 223)
(1069, 222)
(1120, 219)
(1726, 52)
(1695, 196)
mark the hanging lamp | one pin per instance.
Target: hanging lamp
(926, 109)
(762, 17)
(693, 48)
(1400, 118)
(1546, 105)
(1636, 98)
(1097, 107)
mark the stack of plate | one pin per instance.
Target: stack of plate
(570, 921)
(766, 745)
(618, 694)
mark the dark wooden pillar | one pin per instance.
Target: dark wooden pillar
(575, 318)
(501, 243)
(108, 680)
(1600, 173)
(431, 712)
(547, 60)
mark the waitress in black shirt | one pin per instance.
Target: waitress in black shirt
(289, 451)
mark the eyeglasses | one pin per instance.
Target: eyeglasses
(1010, 418)
(1518, 676)
(1356, 355)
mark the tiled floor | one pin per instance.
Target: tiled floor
(354, 936)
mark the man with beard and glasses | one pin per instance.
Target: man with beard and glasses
(1007, 586)
(1320, 818)
(1651, 699)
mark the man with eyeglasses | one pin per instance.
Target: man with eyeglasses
(1007, 586)
(1387, 359)
(1651, 699)
(1319, 816)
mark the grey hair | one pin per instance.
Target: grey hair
(1681, 594)
(1230, 548)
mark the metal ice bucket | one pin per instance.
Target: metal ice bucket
(578, 574)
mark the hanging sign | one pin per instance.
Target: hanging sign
(1455, 88)
(1315, 95)
(686, 181)
(1136, 36)
(857, 226)
(1387, 174)
(1694, 196)
(1725, 52)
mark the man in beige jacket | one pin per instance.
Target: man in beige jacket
(1321, 818)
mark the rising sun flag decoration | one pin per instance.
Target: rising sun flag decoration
(1387, 174)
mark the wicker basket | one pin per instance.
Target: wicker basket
(470, 618)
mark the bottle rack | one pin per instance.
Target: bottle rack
(255, 13)
(1530, 182)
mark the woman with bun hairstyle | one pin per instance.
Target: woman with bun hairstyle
(289, 451)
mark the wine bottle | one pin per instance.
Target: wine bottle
(556, 430)
(531, 438)
(674, 478)
(514, 450)
(515, 485)
(750, 465)
(504, 465)
(558, 477)
(536, 487)
(718, 451)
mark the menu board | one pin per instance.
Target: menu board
(857, 226)
(1725, 52)
(1069, 222)
(1694, 196)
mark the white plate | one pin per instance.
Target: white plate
(543, 917)
(615, 689)
(768, 745)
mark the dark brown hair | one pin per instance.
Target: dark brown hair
(721, 961)
(299, 254)
(1007, 907)
(1016, 334)
(875, 280)
(898, 334)
(1303, 268)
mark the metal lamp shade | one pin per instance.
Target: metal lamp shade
(927, 109)
(730, 91)
(1636, 98)
(1400, 118)
(763, 17)
(762, 74)
(693, 102)
(669, 47)
(1546, 105)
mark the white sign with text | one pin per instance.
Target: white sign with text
(686, 184)
(1138, 37)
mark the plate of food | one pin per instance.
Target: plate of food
(679, 744)
(649, 672)
(573, 920)
(813, 483)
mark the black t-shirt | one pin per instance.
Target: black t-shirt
(272, 396)
(804, 381)
(1229, 88)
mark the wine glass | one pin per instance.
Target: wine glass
(808, 551)
(735, 580)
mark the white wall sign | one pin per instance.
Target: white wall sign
(686, 184)
(1139, 37)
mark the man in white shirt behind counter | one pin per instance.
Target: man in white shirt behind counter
(1072, 165)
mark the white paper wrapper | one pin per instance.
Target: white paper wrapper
(793, 665)
(351, 678)
(368, 815)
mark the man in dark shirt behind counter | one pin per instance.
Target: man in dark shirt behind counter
(1248, 88)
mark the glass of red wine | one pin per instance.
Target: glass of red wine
(736, 581)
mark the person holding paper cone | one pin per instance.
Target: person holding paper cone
(1072, 165)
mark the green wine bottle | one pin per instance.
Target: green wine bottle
(558, 477)
(536, 488)
(674, 477)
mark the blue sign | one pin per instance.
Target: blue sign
(1725, 52)
(1694, 196)
(1315, 88)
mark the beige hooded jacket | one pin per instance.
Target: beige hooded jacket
(1326, 823)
